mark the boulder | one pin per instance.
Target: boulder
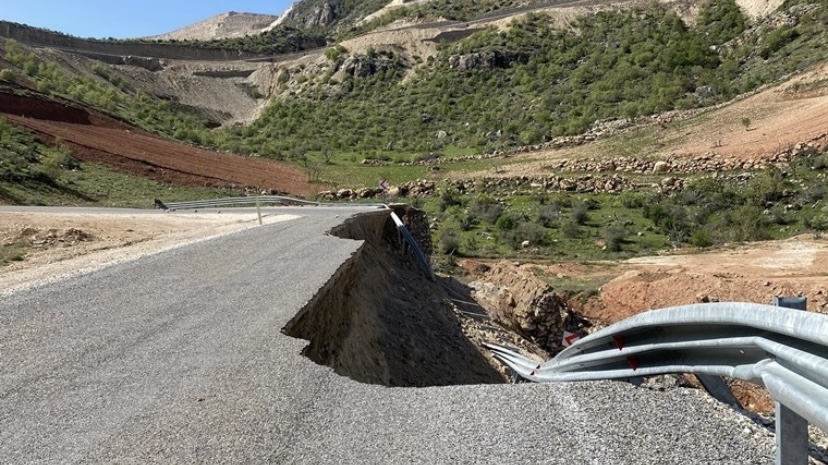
(522, 302)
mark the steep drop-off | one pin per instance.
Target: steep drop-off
(379, 320)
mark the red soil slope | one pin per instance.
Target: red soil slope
(95, 137)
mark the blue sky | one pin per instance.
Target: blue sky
(126, 18)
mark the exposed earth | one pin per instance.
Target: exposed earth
(96, 137)
(756, 272)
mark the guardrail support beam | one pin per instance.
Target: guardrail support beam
(791, 437)
(791, 428)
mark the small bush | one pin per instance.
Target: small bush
(335, 52)
(525, 231)
(464, 219)
(632, 200)
(747, 224)
(700, 238)
(817, 223)
(548, 215)
(449, 241)
(614, 236)
(486, 208)
(506, 222)
(562, 202)
(580, 213)
(448, 198)
(571, 229)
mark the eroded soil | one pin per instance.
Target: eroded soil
(98, 138)
(753, 272)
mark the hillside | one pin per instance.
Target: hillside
(223, 26)
(437, 83)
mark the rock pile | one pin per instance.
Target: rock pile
(612, 184)
(417, 188)
(52, 237)
(350, 194)
(520, 301)
(709, 163)
(417, 223)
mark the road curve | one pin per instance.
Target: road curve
(178, 358)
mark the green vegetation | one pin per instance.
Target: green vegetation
(23, 159)
(283, 39)
(493, 90)
(770, 204)
(98, 185)
(720, 21)
(455, 10)
(32, 173)
(534, 82)
(110, 94)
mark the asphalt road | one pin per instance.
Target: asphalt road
(178, 358)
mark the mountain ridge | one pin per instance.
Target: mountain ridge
(226, 25)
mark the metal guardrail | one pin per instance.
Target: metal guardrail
(785, 350)
(413, 246)
(405, 235)
(236, 202)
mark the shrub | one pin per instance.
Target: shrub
(747, 224)
(448, 198)
(580, 213)
(720, 20)
(486, 208)
(449, 241)
(506, 222)
(464, 219)
(768, 186)
(548, 215)
(562, 202)
(525, 231)
(571, 229)
(335, 52)
(817, 223)
(700, 238)
(632, 200)
(614, 236)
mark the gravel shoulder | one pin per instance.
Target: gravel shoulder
(70, 243)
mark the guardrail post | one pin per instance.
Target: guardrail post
(791, 428)
(259, 210)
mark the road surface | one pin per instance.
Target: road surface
(178, 358)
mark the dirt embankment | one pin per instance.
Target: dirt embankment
(611, 292)
(97, 138)
(379, 320)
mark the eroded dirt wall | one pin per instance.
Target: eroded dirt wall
(379, 320)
